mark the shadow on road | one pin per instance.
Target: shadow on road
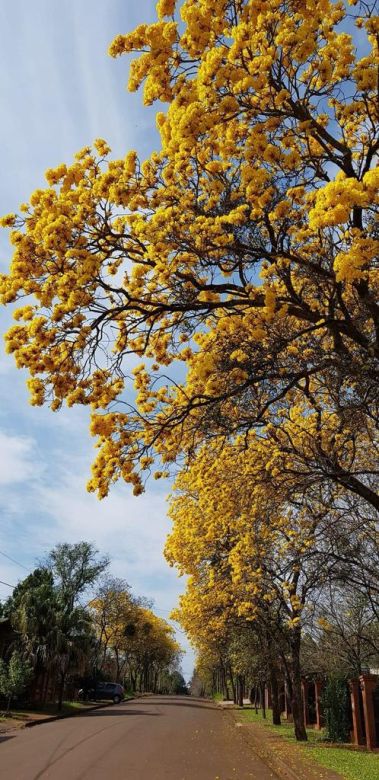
(127, 708)
(192, 705)
(184, 701)
(112, 711)
(4, 738)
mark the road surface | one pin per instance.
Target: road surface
(153, 738)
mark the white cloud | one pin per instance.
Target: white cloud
(132, 530)
(17, 459)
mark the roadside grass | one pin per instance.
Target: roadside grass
(68, 708)
(49, 710)
(349, 763)
(217, 697)
(73, 707)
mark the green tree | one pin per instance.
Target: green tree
(75, 568)
(74, 644)
(55, 630)
(33, 609)
(14, 677)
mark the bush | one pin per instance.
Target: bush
(14, 677)
(335, 702)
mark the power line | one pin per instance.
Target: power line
(5, 555)
(7, 583)
(13, 560)
(156, 609)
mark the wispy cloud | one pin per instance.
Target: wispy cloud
(16, 459)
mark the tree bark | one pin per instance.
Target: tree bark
(45, 686)
(61, 690)
(233, 685)
(225, 684)
(263, 700)
(297, 703)
(275, 696)
(240, 687)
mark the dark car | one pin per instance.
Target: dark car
(104, 690)
(109, 690)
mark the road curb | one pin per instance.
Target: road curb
(40, 721)
(64, 716)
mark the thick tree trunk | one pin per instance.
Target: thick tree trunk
(297, 703)
(61, 690)
(214, 683)
(263, 700)
(36, 687)
(275, 696)
(256, 700)
(233, 685)
(117, 666)
(240, 687)
(225, 684)
(45, 686)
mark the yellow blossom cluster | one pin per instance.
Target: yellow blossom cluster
(232, 534)
(245, 248)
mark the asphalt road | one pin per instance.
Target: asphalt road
(154, 738)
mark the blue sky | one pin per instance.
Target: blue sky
(59, 91)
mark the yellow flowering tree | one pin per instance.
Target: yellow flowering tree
(132, 640)
(253, 223)
(259, 550)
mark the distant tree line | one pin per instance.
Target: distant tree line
(53, 641)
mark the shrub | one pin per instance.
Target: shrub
(335, 701)
(14, 677)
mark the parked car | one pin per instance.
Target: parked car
(104, 690)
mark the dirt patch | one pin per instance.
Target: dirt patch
(18, 720)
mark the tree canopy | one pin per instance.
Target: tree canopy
(245, 247)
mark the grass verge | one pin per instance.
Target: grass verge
(18, 717)
(349, 763)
